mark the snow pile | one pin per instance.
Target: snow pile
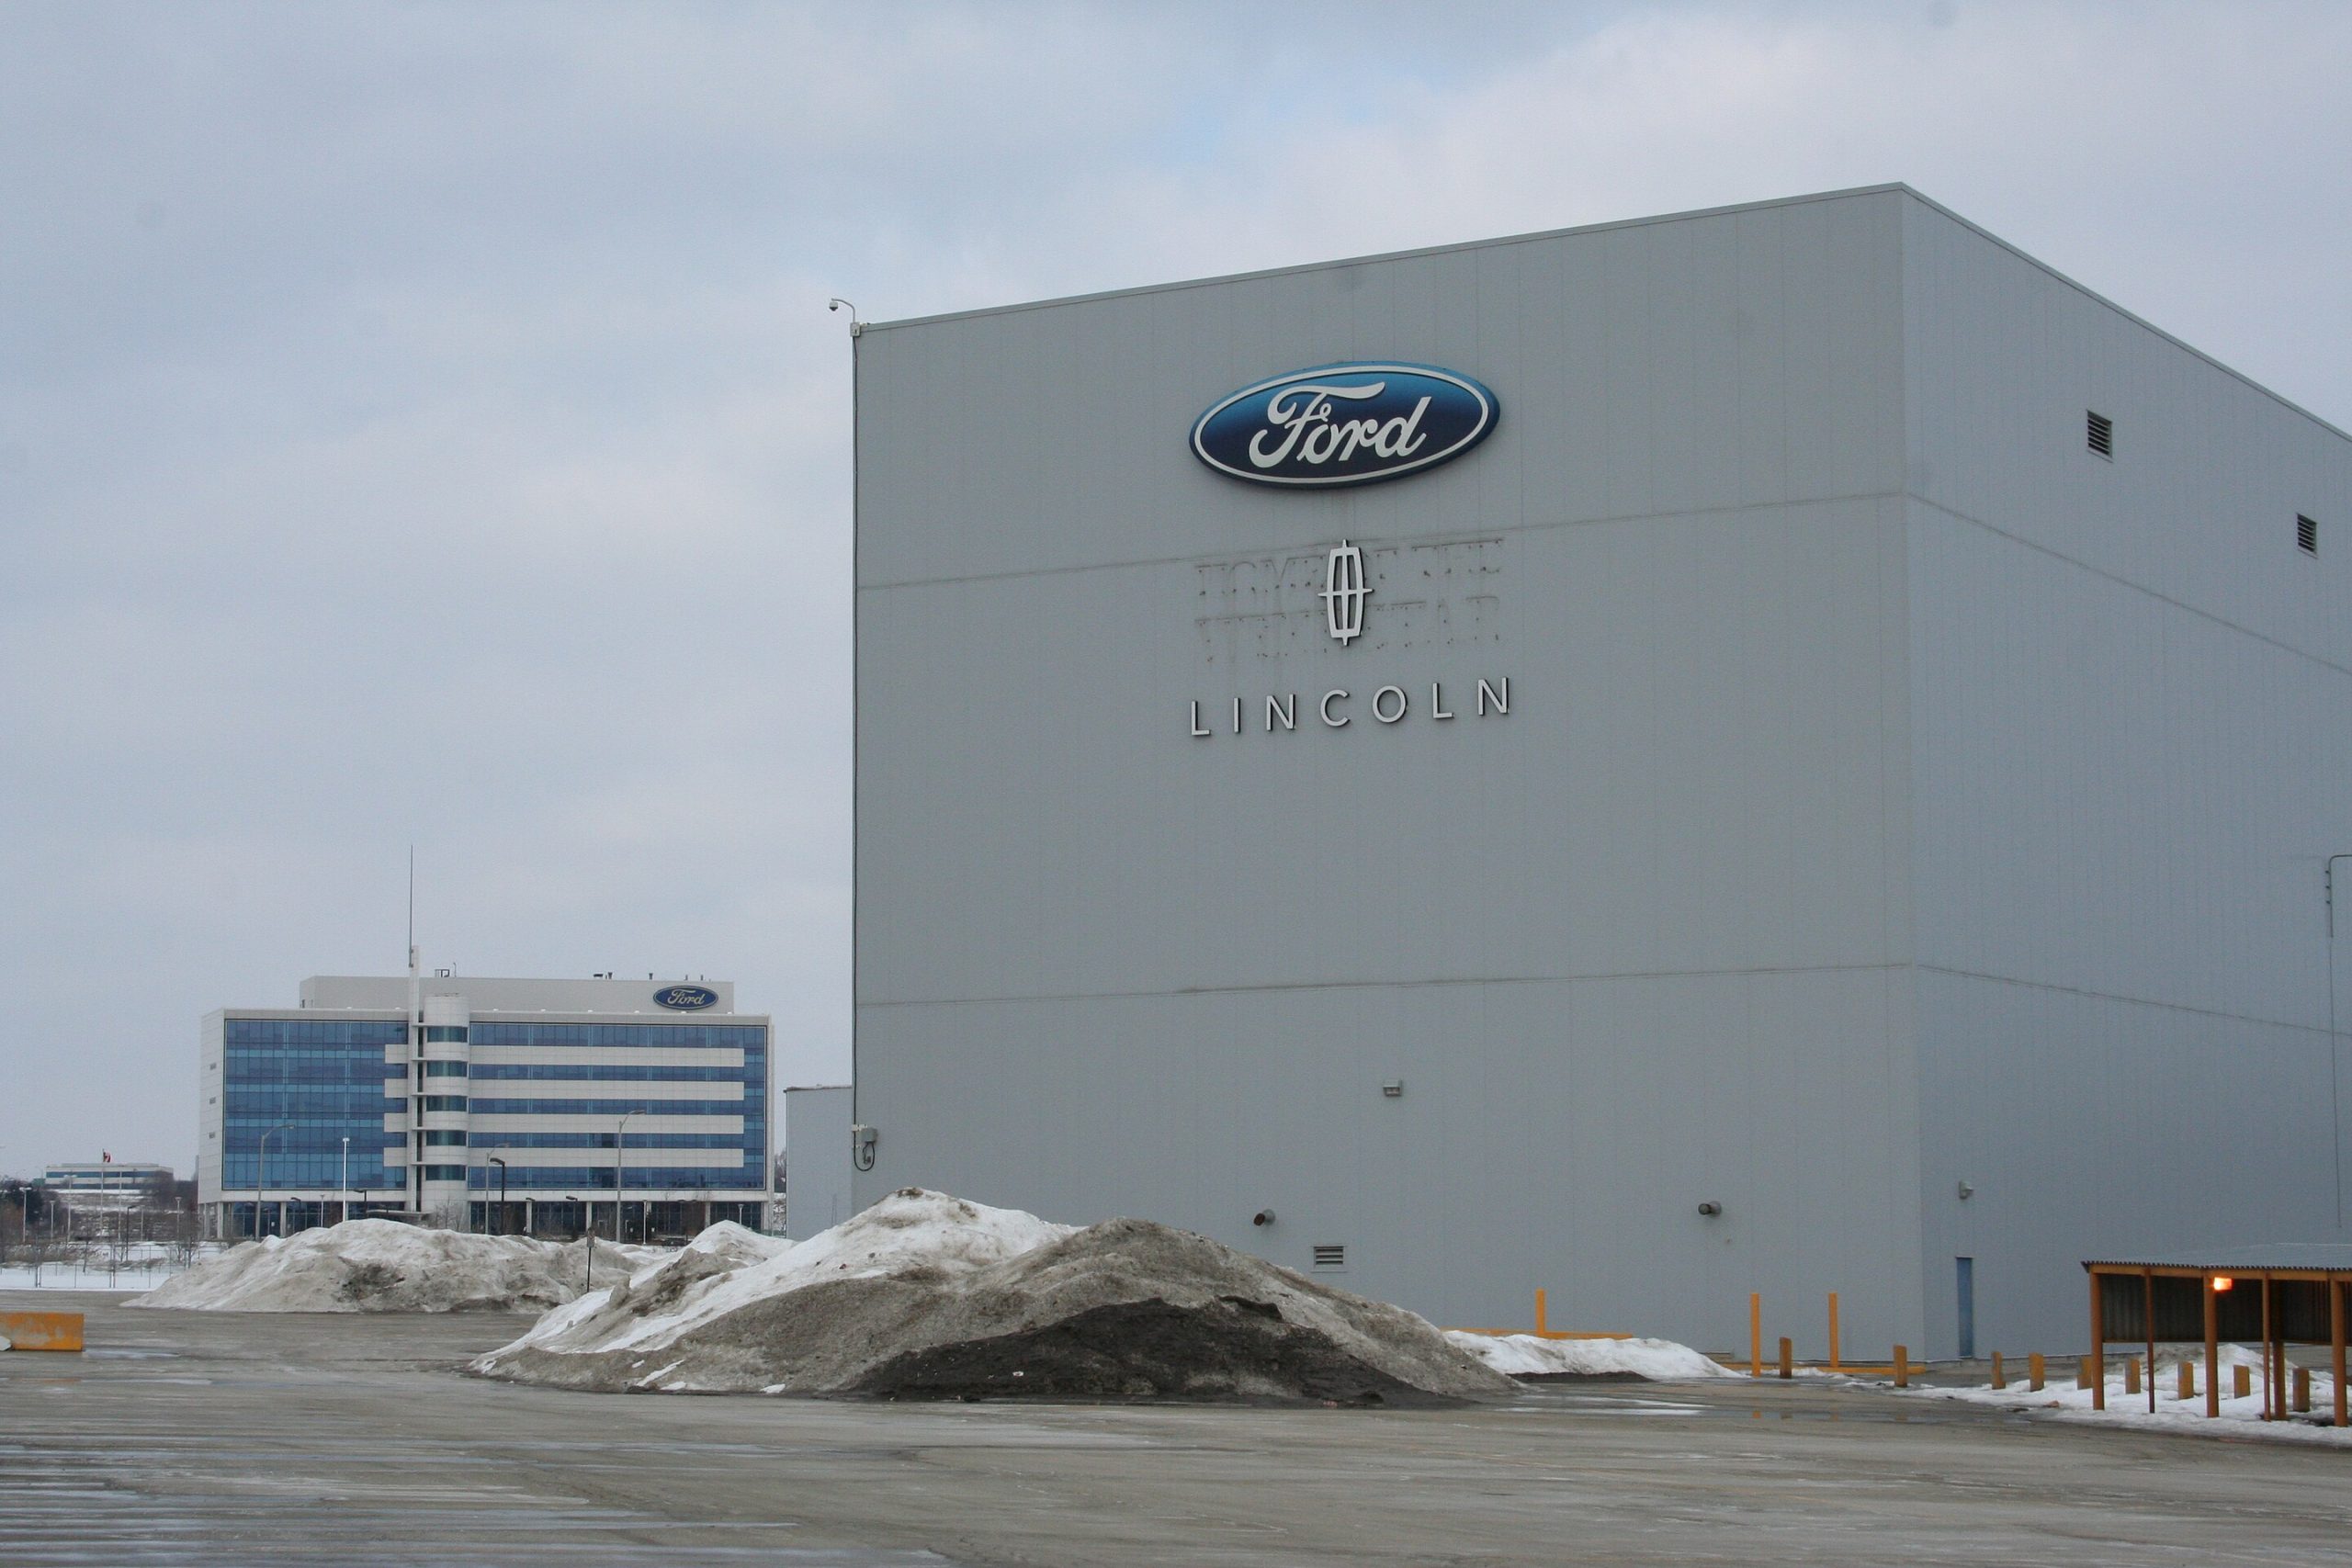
(925, 1296)
(1526, 1355)
(2239, 1419)
(383, 1265)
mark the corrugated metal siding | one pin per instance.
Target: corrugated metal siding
(1637, 946)
(2130, 691)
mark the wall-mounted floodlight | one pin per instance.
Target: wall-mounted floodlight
(1262, 1217)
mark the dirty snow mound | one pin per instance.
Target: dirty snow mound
(924, 1296)
(383, 1265)
(1525, 1356)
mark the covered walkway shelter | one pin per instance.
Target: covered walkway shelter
(2274, 1295)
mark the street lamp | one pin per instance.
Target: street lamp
(619, 1133)
(501, 1193)
(2335, 1113)
(261, 1176)
(589, 1240)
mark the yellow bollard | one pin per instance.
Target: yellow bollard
(2082, 1372)
(1902, 1368)
(1541, 1326)
(1998, 1380)
(1755, 1334)
(2242, 1382)
(1833, 1331)
(2033, 1370)
(2302, 1389)
(2130, 1375)
(1788, 1357)
(2187, 1380)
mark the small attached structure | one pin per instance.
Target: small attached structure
(2274, 1295)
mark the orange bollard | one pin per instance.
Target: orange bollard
(2302, 1391)
(2132, 1374)
(2033, 1370)
(1756, 1333)
(1998, 1380)
(1902, 1368)
(1833, 1331)
(1788, 1357)
(2242, 1382)
(2187, 1380)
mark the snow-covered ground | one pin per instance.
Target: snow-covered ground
(2060, 1400)
(384, 1266)
(1525, 1356)
(141, 1267)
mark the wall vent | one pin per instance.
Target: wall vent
(2307, 534)
(1330, 1255)
(2102, 433)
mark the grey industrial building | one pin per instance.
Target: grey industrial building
(1852, 742)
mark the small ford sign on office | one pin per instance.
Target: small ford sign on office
(1638, 848)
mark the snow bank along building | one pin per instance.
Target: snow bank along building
(1788, 749)
(487, 1086)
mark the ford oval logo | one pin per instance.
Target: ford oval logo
(1345, 425)
(685, 998)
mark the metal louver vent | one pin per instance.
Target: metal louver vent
(1330, 1255)
(2102, 433)
(2307, 534)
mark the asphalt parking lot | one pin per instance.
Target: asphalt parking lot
(194, 1437)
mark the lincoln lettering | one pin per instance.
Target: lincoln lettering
(1304, 414)
(1340, 707)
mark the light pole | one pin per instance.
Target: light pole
(2334, 1106)
(501, 1193)
(588, 1240)
(619, 1133)
(342, 1186)
(261, 1176)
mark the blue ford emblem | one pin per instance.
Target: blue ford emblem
(1345, 425)
(685, 998)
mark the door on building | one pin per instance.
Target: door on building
(1966, 1271)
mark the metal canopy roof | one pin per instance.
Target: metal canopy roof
(2329, 1257)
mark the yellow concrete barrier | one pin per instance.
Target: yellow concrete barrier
(42, 1330)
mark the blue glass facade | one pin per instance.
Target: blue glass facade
(323, 1078)
(327, 1079)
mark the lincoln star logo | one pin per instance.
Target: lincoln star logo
(1344, 424)
(1344, 592)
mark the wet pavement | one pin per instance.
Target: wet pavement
(198, 1438)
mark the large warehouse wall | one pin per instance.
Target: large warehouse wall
(1640, 943)
(2133, 756)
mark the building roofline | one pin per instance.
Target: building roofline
(1894, 187)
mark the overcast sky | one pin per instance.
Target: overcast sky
(421, 423)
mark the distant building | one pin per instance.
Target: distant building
(106, 1186)
(526, 1091)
